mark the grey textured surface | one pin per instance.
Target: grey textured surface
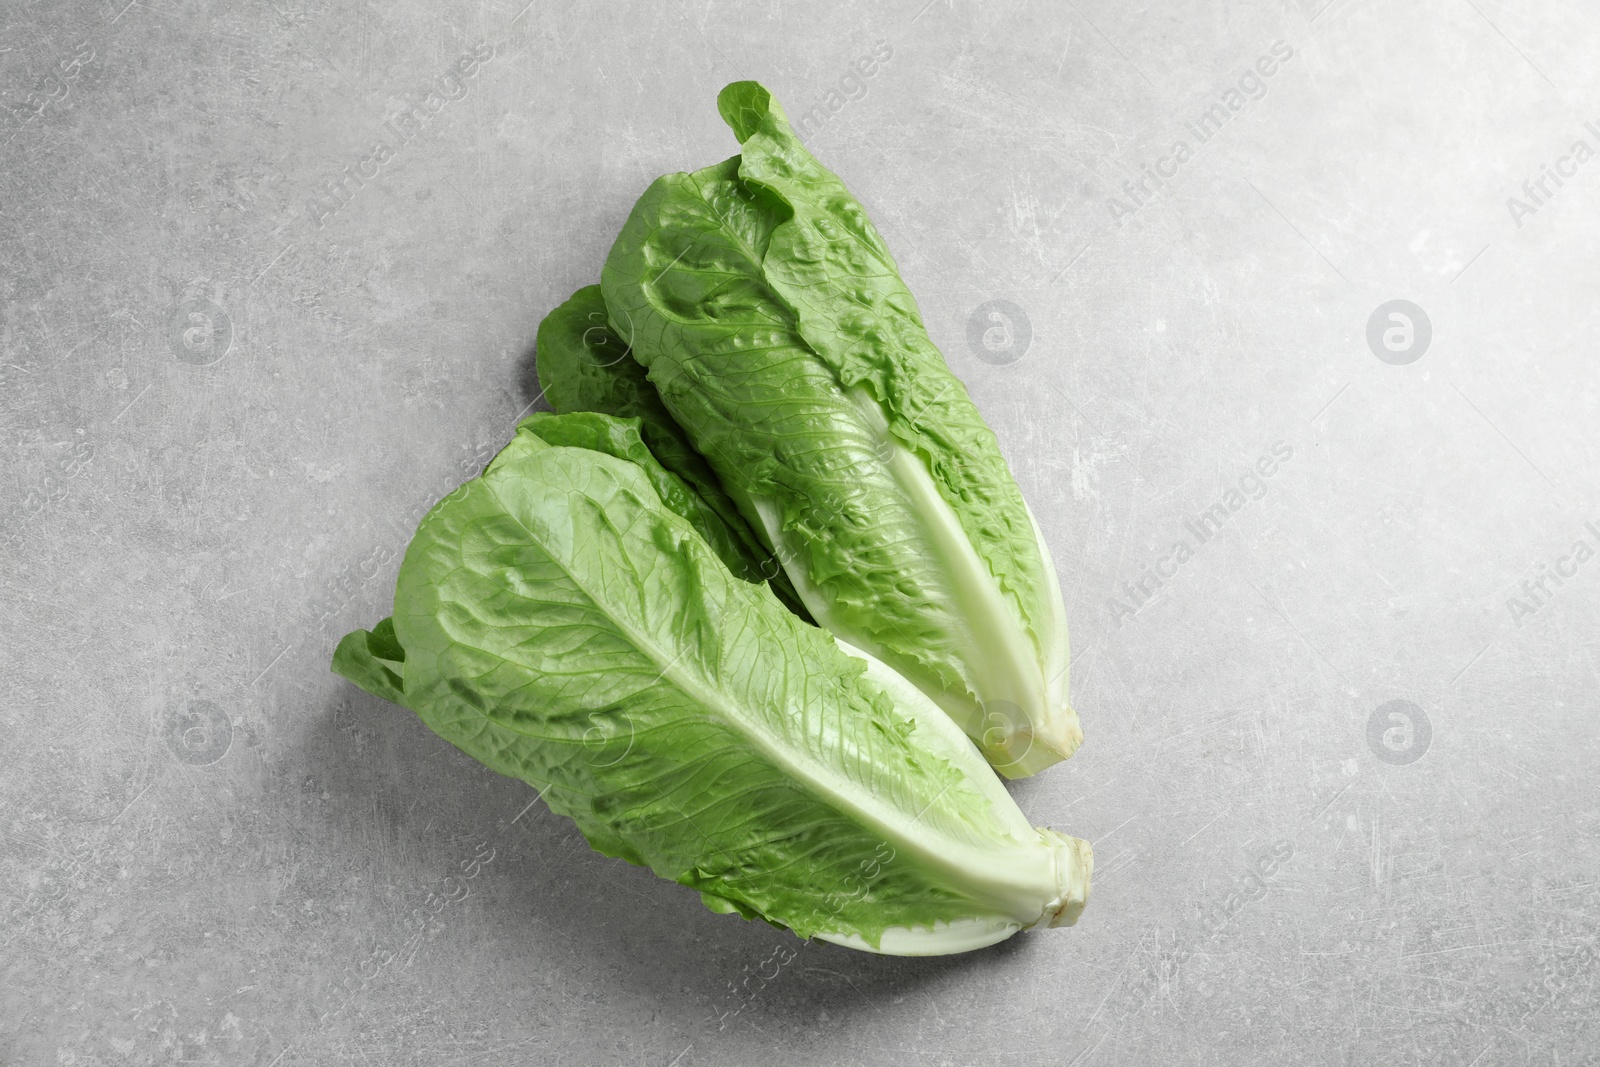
(227, 397)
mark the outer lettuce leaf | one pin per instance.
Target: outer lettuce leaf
(557, 621)
(771, 319)
(373, 660)
(621, 438)
(585, 366)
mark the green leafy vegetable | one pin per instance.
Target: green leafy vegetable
(620, 438)
(561, 623)
(585, 366)
(373, 660)
(773, 323)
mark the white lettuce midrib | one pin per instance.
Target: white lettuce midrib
(961, 751)
(962, 935)
(1021, 899)
(1004, 663)
(1053, 633)
(1030, 891)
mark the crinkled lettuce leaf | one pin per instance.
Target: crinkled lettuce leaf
(621, 438)
(771, 319)
(584, 365)
(374, 659)
(556, 620)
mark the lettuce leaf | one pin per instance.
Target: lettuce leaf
(585, 366)
(374, 660)
(558, 621)
(771, 319)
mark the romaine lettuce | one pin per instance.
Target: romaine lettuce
(774, 324)
(585, 366)
(558, 621)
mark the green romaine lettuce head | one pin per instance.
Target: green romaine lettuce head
(585, 366)
(773, 323)
(557, 621)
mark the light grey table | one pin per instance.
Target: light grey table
(1339, 773)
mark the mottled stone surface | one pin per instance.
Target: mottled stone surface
(228, 393)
